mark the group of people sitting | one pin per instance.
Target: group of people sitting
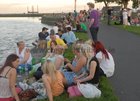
(91, 61)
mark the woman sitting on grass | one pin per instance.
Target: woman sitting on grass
(59, 58)
(52, 45)
(92, 70)
(56, 57)
(105, 59)
(78, 65)
(52, 79)
(8, 75)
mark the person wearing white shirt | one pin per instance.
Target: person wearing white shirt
(55, 28)
(25, 58)
(105, 59)
(125, 17)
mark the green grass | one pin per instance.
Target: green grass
(132, 29)
(105, 86)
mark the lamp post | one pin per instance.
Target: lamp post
(75, 5)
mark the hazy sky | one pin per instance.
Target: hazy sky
(10, 6)
(20, 6)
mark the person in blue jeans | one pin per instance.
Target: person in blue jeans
(93, 21)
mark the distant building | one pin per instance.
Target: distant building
(115, 9)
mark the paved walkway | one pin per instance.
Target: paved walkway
(125, 47)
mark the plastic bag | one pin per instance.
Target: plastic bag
(89, 90)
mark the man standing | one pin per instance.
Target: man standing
(93, 21)
(109, 15)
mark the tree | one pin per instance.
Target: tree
(106, 2)
(123, 2)
(135, 3)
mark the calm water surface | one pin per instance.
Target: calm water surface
(15, 29)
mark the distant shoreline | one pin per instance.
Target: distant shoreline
(29, 14)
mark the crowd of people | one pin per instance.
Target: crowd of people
(126, 16)
(91, 59)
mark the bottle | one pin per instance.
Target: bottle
(26, 71)
(33, 61)
(19, 70)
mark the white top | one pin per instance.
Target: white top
(5, 91)
(61, 57)
(48, 37)
(107, 65)
(129, 12)
(21, 55)
(55, 28)
(125, 15)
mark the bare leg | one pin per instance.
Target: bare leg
(48, 87)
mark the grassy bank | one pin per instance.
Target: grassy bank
(105, 86)
(133, 29)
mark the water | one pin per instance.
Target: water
(14, 29)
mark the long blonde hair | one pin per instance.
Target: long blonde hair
(77, 47)
(50, 69)
(87, 50)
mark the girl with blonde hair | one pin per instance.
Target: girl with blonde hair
(92, 69)
(78, 65)
(59, 58)
(52, 79)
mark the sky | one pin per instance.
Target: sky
(45, 6)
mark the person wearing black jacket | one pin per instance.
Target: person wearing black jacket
(109, 14)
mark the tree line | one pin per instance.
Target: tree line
(124, 3)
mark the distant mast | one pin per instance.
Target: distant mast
(27, 9)
(37, 9)
(32, 9)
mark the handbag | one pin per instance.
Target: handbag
(27, 94)
(73, 91)
(89, 90)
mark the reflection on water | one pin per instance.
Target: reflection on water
(14, 29)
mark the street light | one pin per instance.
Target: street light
(75, 5)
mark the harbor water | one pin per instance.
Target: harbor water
(14, 29)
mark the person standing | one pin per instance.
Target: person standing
(125, 17)
(109, 15)
(129, 16)
(93, 21)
